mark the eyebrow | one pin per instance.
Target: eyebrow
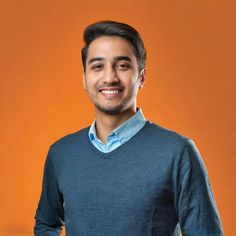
(95, 59)
(122, 58)
(119, 58)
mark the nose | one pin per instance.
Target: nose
(110, 75)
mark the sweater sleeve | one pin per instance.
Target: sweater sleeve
(194, 200)
(49, 217)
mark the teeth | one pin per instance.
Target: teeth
(110, 91)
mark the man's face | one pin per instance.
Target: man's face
(112, 78)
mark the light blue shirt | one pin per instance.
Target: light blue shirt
(120, 135)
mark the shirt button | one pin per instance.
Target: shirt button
(123, 140)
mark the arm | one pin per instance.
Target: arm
(194, 200)
(50, 213)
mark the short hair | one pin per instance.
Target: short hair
(113, 28)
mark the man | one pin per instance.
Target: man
(123, 175)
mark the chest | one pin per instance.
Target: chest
(127, 182)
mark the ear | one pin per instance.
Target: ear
(84, 84)
(142, 78)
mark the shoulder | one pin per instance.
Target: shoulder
(166, 135)
(163, 139)
(70, 141)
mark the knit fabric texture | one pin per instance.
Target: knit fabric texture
(153, 185)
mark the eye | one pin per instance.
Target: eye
(123, 66)
(97, 67)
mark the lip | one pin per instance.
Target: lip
(111, 88)
(111, 95)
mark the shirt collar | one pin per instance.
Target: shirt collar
(125, 130)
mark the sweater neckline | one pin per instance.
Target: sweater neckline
(110, 154)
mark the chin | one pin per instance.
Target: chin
(110, 110)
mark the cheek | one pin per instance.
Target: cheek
(90, 81)
(89, 87)
(130, 82)
(134, 87)
(128, 78)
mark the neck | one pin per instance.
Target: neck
(105, 123)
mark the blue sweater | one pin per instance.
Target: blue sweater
(153, 185)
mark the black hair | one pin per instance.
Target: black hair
(113, 28)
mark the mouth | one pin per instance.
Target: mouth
(111, 91)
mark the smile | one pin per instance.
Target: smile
(110, 91)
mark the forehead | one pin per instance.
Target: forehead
(109, 47)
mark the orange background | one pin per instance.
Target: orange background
(190, 87)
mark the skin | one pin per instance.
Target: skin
(111, 65)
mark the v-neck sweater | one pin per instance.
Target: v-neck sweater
(152, 185)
